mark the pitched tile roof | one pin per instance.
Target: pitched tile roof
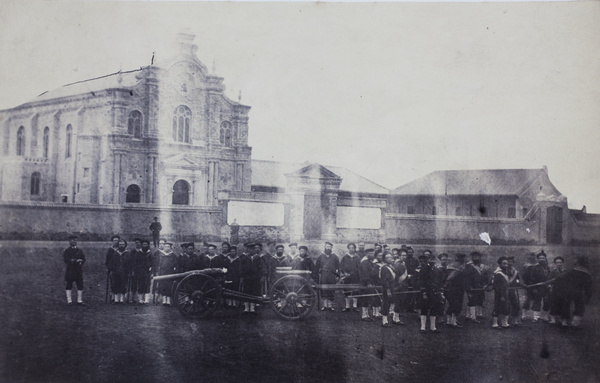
(272, 174)
(477, 182)
(114, 80)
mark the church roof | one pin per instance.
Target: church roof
(477, 182)
(110, 81)
(272, 174)
(314, 171)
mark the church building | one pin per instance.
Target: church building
(155, 135)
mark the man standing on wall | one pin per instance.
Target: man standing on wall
(74, 259)
(155, 228)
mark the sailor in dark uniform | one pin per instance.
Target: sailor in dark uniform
(74, 259)
(349, 274)
(430, 299)
(251, 274)
(233, 264)
(328, 265)
(279, 259)
(142, 270)
(212, 260)
(501, 282)
(165, 263)
(304, 262)
(365, 275)
(119, 268)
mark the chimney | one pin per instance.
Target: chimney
(545, 169)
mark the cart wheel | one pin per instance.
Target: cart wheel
(292, 297)
(197, 295)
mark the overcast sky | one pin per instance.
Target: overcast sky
(390, 91)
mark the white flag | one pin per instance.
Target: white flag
(485, 237)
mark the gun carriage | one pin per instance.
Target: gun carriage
(199, 293)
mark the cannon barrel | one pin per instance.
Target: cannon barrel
(173, 277)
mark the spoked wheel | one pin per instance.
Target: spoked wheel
(197, 295)
(292, 297)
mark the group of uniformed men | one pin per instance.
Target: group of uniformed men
(392, 281)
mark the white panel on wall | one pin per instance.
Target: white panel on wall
(255, 213)
(350, 217)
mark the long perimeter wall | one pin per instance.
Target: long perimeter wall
(55, 221)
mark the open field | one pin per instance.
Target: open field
(44, 340)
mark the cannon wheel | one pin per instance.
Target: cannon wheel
(292, 297)
(197, 295)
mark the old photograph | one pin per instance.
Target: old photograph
(299, 192)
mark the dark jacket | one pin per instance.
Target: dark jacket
(74, 258)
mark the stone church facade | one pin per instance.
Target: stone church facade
(156, 135)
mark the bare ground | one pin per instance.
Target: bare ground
(44, 340)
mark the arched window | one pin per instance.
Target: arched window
(21, 141)
(46, 142)
(133, 194)
(225, 133)
(35, 183)
(68, 141)
(181, 124)
(134, 124)
(181, 193)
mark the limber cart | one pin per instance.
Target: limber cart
(199, 293)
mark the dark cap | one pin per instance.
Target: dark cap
(249, 244)
(303, 247)
(233, 247)
(279, 247)
(442, 255)
(184, 245)
(351, 244)
(369, 250)
(270, 243)
(145, 241)
(211, 246)
(557, 258)
(191, 244)
(501, 259)
(329, 243)
(422, 256)
(226, 243)
(169, 243)
(475, 254)
(538, 255)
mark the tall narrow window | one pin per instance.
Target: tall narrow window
(181, 124)
(225, 133)
(46, 142)
(134, 124)
(35, 183)
(68, 141)
(181, 193)
(21, 141)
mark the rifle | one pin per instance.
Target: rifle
(107, 283)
